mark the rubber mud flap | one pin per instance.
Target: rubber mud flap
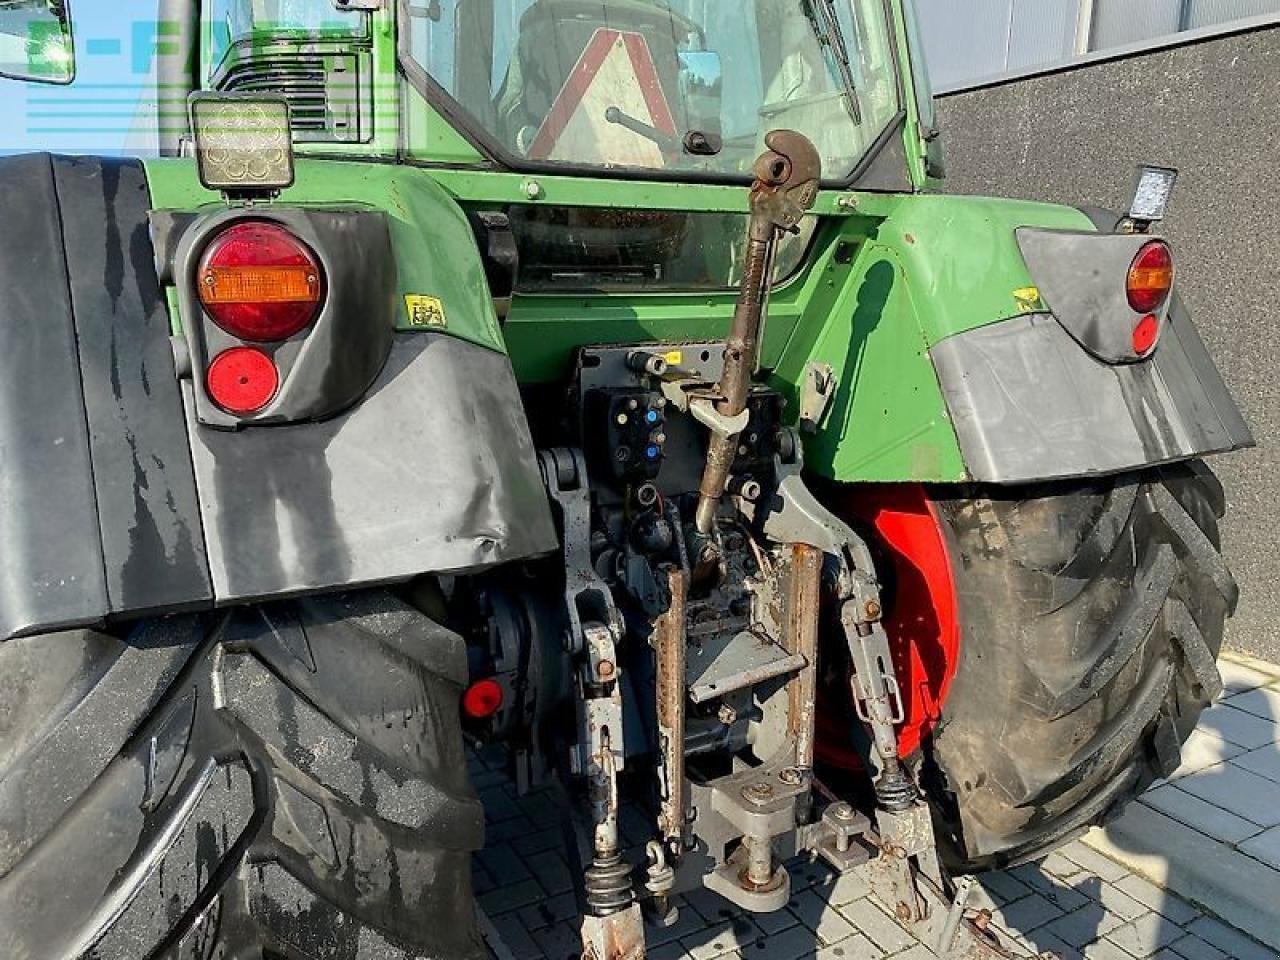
(1091, 615)
(284, 781)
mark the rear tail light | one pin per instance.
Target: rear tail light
(259, 282)
(1150, 277)
(242, 380)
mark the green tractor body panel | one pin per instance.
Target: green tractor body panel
(881, 286)
(935, 267)
(879, 290)
(886, 278)
(433, 244)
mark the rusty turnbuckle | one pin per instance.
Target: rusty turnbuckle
(786, 187)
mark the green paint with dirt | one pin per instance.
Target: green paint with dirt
(435, 250)
(888, 275)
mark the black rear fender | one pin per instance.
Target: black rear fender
(98, 506)
(124, 492)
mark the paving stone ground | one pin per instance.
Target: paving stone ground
(1212, 831)
(1228, 786)
(1076, 902)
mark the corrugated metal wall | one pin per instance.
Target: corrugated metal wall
(980, 38)
(1130, 21)
(1205, 13)
(983, 39)
(1042, 31)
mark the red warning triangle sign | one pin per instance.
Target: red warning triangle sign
(615, 71)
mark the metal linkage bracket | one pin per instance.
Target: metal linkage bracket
(907, 878)
(837, 837)
(759, 804)
(564, 471)
(904, 836)
(877, 695)
(721, 425)
(816, 393)
(602, 703)
(795, 515)
(613, 928)
(881, 695)
(619, 936)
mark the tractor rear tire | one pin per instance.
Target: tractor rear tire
(1091, 615)
(287, 781)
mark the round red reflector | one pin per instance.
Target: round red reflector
(1145, 334)
(260, 282)
(1150, 277)
(483, 699)
(242, 380)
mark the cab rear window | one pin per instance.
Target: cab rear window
(593, 249)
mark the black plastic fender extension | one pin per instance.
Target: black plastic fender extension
(98, 508)
(118, 499)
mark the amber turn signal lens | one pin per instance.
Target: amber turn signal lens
(1150, 277)
(224, 285)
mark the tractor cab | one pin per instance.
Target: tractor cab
(686, 89)
(644, 88)
(679, 92)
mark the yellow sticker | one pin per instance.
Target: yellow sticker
(1028, 299)
(425, 311)
(674, 358)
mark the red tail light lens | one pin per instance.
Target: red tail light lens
(260, 282)
(242, 380)
(1146, 334)
(482, 699)
(1150, 277)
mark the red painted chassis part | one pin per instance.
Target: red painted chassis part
(921, 615)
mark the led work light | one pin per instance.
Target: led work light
(1152, 193)
(243, 142)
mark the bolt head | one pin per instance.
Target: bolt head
(605, 669)
(842, 811)
(532, 189)
(758, 793)
(791, 776)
